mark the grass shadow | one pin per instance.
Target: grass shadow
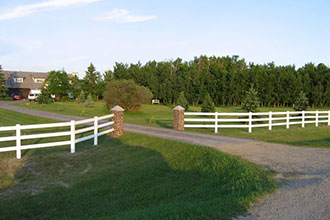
(134, 177)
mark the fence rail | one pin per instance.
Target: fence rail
(98, 123)
(254, 120)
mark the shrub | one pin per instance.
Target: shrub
(7, 98)
(208, 104)
(251, 101)
(44, 98)
(127, 94)
(301, 104)
(182, 101)
(89, 103)
(81, 97)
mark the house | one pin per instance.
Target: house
(19, 82)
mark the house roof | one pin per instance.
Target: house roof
(28, 79)
(28, 82)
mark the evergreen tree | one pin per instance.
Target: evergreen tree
(251, 101)
(182, 101)
(3, 88)
(81, 97)
(208, 104)
(301, 103)
(89, 103)
(93, 83)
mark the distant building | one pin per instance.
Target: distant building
(21, 83)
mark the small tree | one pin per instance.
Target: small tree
(251, 101)
(127, 94)
(301, 104)
(57, 83)
(81, 97)
(182, 101)
(89, 103)
(3, 88)
(208, 104)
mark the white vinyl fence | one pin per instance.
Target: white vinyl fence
(253, 120)
(71, 131)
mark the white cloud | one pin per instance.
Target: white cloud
(124, 16)
(24, 10)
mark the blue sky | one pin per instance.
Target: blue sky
(42, 35)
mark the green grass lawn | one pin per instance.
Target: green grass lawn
(132, 177)
(162, 116)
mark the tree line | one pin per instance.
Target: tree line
(227, 79)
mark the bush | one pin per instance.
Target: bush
(44, 98)
(208, 104)
(7, 98)
(182, 101)
(251, 101)
(89, 103)
(127, 94)
(81, 97)
(301, 103)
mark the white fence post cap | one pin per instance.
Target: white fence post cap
(179, 108)
(117, 108)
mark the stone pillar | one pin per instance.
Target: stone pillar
(118, 121)
(178, 118)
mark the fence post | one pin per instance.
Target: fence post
(18, 141)
(96, 124)
(216, 123)
(328, 118)
(178, 118)
(270, 121)
(287, 119)
(317, 118)
(303, 119)
(73, 136)
(118, 121)
(250, 122)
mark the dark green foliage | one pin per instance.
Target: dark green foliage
(89, 103)
(127, 94)
(44, 98)
(76, 86)
(81, 97)
(57, 83)
(251, 101)
(227, 78)
(93, 83)
(301, 103)
(3, 88)
(182, 101)
(208, 104)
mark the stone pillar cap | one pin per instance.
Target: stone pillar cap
(117, 108)
(179, 108)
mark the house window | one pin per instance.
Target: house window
(18, 80)
(39, 80)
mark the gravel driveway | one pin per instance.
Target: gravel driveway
(304, 172)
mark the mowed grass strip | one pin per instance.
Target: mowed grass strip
(133, 177)
(162, 116)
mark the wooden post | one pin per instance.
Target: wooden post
(303, 119)
(96, 129)
(216, 123)
(317, 118)
(250, 122)
(287, 120)
(178, 118)
(270, 121)
(329, 118)
(118, 121)
(18, 141)
(73, 136)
